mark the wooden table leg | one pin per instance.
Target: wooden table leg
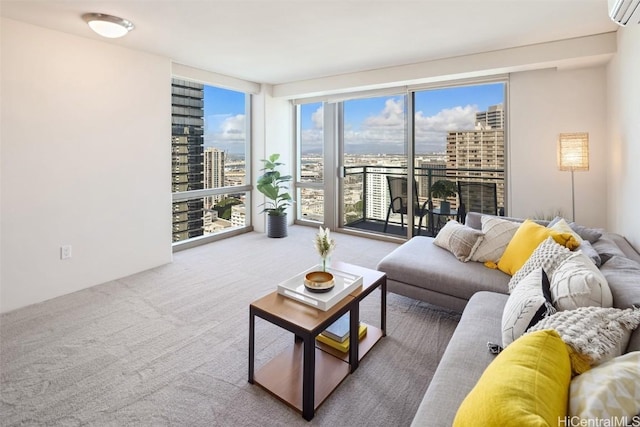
(252, 321)
(383, 307)
(308, 377)
(354, 336)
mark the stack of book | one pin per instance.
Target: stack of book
(337, 335)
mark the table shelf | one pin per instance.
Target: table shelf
(366, 343)
(282, 375)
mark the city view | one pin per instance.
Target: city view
(459, 135)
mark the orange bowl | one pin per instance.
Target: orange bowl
(319, 281)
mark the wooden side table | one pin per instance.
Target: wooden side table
(307, 372)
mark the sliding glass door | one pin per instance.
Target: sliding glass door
(399, 158)
(374, 151)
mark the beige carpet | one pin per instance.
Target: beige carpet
(169, 346)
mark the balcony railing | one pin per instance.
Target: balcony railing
(366, 194)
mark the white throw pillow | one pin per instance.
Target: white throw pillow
(529, 302)
(497, 235)
(577, 282)
(549, 255)
(608, 391)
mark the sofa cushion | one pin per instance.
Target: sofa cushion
(608, 391)
(526, 385)
(460, 240)
(577, 282)
(529, 302)
(464, 360)
(420, 263)
(498, 233)
(596, 333)
(525, 241)
(548, 255)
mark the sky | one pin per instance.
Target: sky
(371, 125)
(377, 125)
(224, 119)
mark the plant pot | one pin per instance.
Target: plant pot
(277, 226)
(445, 207)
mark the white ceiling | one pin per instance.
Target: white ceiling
(277, 41)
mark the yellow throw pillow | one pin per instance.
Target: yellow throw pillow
(526, 385)
(526, 240)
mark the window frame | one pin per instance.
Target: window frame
(246, 188)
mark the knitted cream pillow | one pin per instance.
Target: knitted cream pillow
(548, 255)
(596, 333)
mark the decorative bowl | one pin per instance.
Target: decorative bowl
(319, 281)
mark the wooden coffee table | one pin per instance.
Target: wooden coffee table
(306, 373)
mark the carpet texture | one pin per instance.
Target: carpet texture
(169, 346)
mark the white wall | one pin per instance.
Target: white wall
(85, 162)
(272, 132)
(623, 145)
(543, 104)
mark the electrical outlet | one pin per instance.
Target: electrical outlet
(65, 252)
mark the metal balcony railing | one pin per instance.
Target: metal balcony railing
(366, 193)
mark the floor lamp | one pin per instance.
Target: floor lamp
(573, 155)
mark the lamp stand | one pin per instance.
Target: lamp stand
(573, 199)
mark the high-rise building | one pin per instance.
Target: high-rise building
(213, 172)
(377, 195)
(492, 118)
(480, 151)
(187, 145)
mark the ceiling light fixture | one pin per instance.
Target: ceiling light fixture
(107, 25)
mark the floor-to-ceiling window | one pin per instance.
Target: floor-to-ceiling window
(310, 175)
(422, 135)
(374, 141)
(459, 134)
(210, 143)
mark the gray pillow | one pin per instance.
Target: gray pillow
(623, 276)
(607, 248)
(589, 251)
(590, 234)
(586, 233)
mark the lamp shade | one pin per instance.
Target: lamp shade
(573, 151)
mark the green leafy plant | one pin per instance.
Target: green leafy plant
(273, 185)
(443, 189)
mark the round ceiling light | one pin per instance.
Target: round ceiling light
(107, 25)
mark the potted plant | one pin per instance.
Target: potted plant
(273, 185)
(443, 189)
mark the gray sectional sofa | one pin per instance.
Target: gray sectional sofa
(419, 269)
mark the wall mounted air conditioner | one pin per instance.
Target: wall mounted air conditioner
(624, 12)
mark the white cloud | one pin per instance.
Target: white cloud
(388, 126)
(317, 117)
(225, 128)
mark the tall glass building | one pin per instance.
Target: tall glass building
(187, 160)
